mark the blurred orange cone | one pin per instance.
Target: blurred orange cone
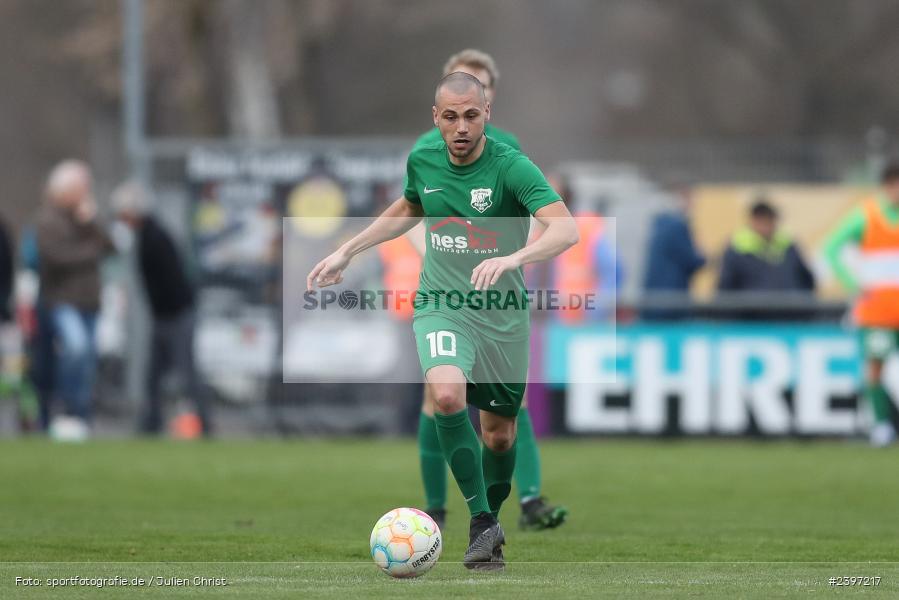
(186, 426)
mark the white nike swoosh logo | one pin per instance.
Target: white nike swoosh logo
(432, 190)
(472, 498)
(494, 403)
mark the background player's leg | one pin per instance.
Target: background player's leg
(498, 457)
(536, 512)
(433, 465)
(877, 344)
(458, 439)
(527, 465)
(882, 434)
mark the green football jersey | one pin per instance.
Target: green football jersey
(495, 133)
(432, 136)
(474, 212)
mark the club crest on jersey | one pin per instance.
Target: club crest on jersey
(480, 199)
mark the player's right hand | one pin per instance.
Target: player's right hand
(328, 272)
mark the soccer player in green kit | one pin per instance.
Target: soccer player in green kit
(459, 181)
(536, 512)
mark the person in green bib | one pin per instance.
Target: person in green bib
(536, 512)
(874, 229)
(471, 322)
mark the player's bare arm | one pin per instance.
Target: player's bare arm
(416, 237)
(560, 234)
(400, 217)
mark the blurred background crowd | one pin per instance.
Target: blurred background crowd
(154, 147)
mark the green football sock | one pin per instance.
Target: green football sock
(462, 452)
(498, 468)
(877, 395)
(433, 465)
(527, 469)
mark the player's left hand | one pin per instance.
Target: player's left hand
(488, 272)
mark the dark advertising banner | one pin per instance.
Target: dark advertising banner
(240, 196)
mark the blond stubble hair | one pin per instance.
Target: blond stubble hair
(475, 59)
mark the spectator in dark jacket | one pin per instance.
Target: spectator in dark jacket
(6, 273)
(760, 258)
(171, 299)
(672, 257)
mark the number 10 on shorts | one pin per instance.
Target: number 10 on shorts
(443, 343)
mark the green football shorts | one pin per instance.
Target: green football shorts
(878, 343)
(497, 371)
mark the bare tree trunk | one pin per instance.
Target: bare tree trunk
(252, 98)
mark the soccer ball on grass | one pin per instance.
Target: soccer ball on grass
(405, 542)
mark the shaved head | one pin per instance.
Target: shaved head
(461, 112)
(461, 83)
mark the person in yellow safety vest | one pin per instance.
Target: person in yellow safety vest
(402, 265)
(874, 229)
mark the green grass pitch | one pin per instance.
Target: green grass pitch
(704, 519)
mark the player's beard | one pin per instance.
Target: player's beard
(463, 154)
